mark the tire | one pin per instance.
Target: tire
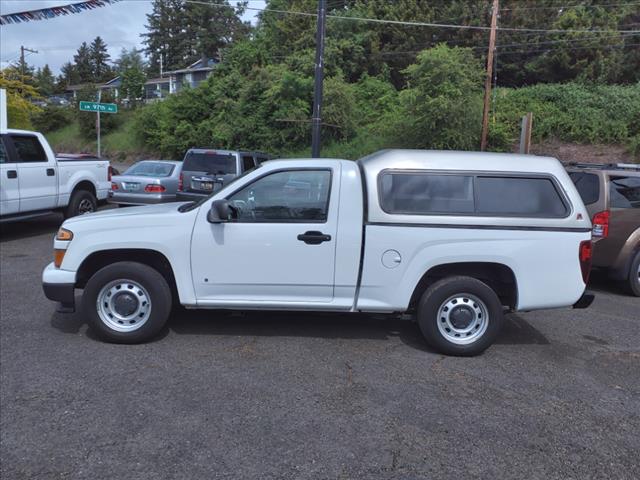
(634, 276)
(478, 316)
(126, 302)
(82, 201)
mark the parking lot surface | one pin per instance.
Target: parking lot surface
(308, 396)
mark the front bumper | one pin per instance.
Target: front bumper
(585, 300)
(59, 286)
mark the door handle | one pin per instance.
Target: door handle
(12, 174)
(50, 172)
(313, 237)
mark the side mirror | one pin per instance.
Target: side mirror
(220, 212)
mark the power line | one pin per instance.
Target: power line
(568, 40)
(414, 24)
(521, 51)
(565, 7)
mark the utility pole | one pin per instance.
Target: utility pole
(319, 78)
(22, 50)
(487, 83)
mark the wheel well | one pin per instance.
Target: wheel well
(498, 276)
(85, 185)
(152, 258)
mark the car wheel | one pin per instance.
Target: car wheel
(82, 201)
(634, 276)
(460, 316)
(127, 302)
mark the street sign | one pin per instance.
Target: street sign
(98, 107)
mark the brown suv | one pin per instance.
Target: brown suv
(611, 194)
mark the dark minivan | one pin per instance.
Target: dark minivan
(205, 170)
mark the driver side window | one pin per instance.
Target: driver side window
(288, 196)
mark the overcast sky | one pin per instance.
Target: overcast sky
(57, 39)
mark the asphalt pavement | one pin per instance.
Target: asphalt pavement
(296, 395)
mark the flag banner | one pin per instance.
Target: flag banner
(52, 12)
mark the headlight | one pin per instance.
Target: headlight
(64, 235)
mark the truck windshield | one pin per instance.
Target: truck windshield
(210, 162)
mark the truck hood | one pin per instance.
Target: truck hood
(147, 212)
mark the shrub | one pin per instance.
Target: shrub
(442, 107)
(52, 118)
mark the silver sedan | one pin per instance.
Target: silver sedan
(146, 182)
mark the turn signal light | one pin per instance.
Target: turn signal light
(600, 224)
(585, 255)
(58, 256)
(151, 188)
(64, 235)
(114, 186)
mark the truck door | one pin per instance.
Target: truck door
(37, 176)
(9, 182)
(280, 249)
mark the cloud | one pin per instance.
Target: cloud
(57, 39)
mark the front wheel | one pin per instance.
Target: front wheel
(460, 316)
(634, 276)
(127, 302)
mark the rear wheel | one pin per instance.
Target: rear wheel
(127, 302)
(634, 276)
(81, 202)
(460, 316)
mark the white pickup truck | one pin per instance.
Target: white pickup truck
(34, 182)
(454, 238)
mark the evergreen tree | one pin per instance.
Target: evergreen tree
(99, 58)
(166, 35)
(68, 75)
(184, 32)
(212, 28)
(45, 81)
(25, 71)
(82, 64)
(131, 67)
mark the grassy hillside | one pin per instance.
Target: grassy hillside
(120, 145)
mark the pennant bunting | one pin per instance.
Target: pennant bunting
(52, 12)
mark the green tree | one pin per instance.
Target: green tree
(83, 64)
(99, 60)
(166, 35)
(442, 108)
(212, 27)
(131, 67)
(181, 33)
(20, 107)
(45, 81)
(68, 76)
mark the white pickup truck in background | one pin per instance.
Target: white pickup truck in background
(34, 182)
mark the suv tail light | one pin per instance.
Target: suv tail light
(585, 255)
(114, 186)
(601, 224)
(109, 172)
(151, 188)
(180, 182)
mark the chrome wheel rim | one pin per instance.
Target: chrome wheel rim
(463, 318)
(85, 206)
(123, 305)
